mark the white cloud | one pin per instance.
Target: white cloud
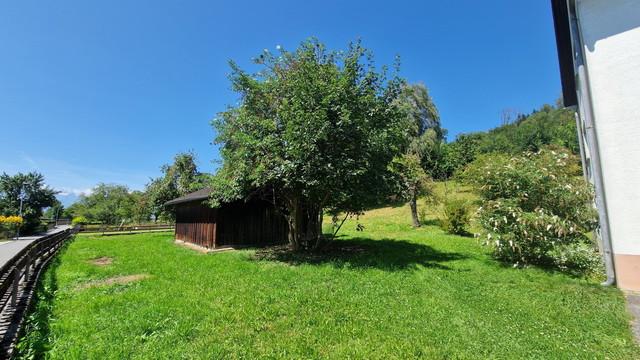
(65, 191)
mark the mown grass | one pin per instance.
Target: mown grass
(402, 293)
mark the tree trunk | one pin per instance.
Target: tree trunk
(414, 209)
(295, 225)
(305, 225)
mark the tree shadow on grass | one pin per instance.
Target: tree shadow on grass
(364, 253)
(390, 204)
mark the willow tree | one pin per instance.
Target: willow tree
(315, 130)
(425, 135)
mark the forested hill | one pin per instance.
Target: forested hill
(545, 126)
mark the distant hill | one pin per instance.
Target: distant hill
(545, 126)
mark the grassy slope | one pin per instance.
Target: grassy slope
(414, 293)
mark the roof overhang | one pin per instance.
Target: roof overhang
(562, 25)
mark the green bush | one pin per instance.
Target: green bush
(532, 205)
(80, 220)
(455, 217)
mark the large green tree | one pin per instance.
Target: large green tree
(35, 194)
(315, 130)
(107, 203)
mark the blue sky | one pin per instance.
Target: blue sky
(109, 91)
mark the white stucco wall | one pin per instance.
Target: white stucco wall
(610, 31)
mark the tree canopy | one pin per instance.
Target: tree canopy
(179, 178)
(422, 112)
(315, 130)
(108, 204)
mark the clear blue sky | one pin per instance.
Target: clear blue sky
(108, 91)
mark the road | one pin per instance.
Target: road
(9, 249)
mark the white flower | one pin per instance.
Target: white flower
(489, 236)
(266, 51)
(278, 47)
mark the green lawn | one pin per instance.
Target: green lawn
(399, 293)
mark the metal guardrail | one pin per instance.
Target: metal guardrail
(17, 282)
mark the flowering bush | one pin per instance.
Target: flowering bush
(532, 204)
(10, 223)
(581, 258)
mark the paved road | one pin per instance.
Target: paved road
(9, 249)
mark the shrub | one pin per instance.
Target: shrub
(456, 217)
(80, 220)
(532, 205)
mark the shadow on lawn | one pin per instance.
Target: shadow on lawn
(364, 253)
(34, 338)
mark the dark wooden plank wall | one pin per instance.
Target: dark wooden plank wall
(250, 223)
(237, 223)
(196, 223)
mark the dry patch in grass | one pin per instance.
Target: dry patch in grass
(102, 262)
(113, 280)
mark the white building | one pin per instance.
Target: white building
(599, 52)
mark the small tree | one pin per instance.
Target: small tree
(315, 130)
(455, 217)
(416, 182)
(532, 204)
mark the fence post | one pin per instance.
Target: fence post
(16, 279)
(34, 258)
(26, 268)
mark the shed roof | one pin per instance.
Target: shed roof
(201, 194)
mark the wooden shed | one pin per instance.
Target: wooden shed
(239, 223)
